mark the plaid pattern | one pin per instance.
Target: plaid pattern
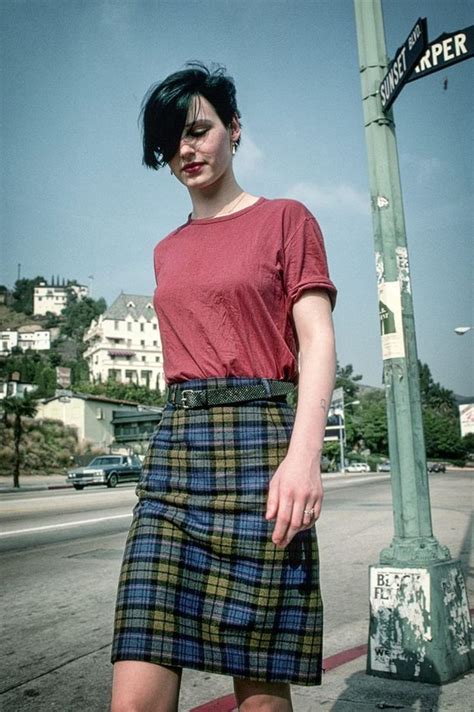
(202, 585)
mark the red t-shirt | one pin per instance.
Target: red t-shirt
(226, 286)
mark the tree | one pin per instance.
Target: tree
(433, 395)
(346, 380)
(78, 315)
(442, 435)
(370, 421)
(19, 408)
(23, 294)
(122, 391)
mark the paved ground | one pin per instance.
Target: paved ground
(58, 587)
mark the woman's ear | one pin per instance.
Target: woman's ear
(235, 129)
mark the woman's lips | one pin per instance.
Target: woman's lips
(192, 168)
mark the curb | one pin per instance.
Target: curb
(33, 488)
(228, 703)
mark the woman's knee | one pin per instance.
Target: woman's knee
(253, 696)
(144, 687)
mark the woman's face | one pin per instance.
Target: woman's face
(205, 151)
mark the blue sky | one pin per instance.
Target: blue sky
(76, 201)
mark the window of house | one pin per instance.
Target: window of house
(142, 327)
(155, 343)
(131, 376)
(146, 376)
(129, 325)
(116, 325)
(144, 359)
(114, 374)
(142, 343)
(157, 359)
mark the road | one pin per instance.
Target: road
(60, 557)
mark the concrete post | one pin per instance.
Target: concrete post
(420, 628)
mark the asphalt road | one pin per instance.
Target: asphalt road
(60, 554)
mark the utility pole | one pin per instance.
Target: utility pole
(419, 615)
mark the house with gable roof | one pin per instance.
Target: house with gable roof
(123, 343)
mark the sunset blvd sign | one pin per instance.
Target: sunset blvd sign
(406, 58)
(447, 49)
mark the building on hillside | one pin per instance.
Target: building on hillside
(25, 337)
(8, 341)
(53, 298)
(30, 337)
(123, 344)
(15, 389)
(90, 415)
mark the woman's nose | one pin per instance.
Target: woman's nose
(186, 148)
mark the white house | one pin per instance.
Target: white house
(30, 337)
(90, 415)
(15, 389)
(53, 298)
(124, 343)
(26, 337)
(8, 340)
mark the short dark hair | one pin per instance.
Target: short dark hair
(165, 107)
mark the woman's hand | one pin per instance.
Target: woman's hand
(295, 498)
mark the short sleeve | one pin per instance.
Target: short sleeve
(306, 264)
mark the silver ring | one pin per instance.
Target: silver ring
(308, 511)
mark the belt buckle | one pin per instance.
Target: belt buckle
(184, 397)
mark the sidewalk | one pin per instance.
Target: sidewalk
(58, 481)
(347, 688)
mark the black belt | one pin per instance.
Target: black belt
(186, 398)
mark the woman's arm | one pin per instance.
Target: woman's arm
(296, 485)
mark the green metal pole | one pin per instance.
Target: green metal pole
(413, 549)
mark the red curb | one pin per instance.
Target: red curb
(345, 656)
(229, 703)
(222, 704)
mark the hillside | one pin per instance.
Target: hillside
(10, 319)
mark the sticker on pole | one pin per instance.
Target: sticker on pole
(391, 327)
(400, 617)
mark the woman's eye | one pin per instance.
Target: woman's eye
(195, 133)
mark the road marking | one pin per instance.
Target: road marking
(64, 524)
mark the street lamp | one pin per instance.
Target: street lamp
(461, 330)
(342, 430)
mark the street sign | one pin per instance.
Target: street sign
(447, 49)
(406, 57)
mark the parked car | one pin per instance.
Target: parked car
(436, 467)
(106, 470)
(384, 466)
(358, 467)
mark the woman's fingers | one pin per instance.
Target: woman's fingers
(293, 517)
(283, 523)
(272, 499)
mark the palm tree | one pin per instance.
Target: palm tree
(19, 408)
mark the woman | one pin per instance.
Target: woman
(220, 571)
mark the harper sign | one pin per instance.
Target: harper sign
(447, 49)
(406, 58)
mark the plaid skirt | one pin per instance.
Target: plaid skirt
(202, 585)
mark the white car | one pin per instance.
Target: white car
(358, 467)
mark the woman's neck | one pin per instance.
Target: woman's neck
(217, 200)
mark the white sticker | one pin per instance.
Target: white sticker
(391, 327)
(403, 269)
(379, 267)
(382, 201)
(400, 607)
